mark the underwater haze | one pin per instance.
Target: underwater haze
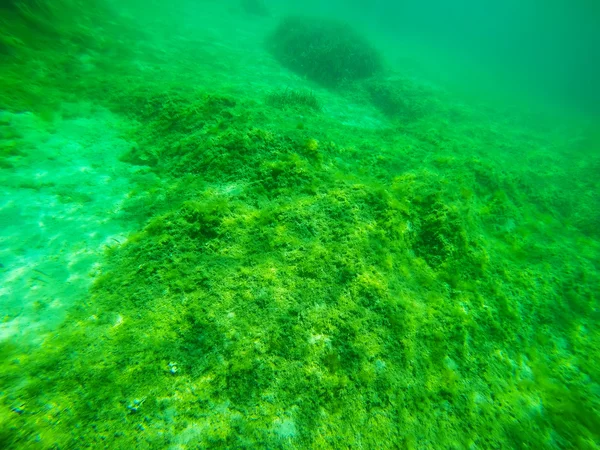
(548, 49)
(260, 224)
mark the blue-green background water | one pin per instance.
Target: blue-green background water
(548, 49)
(256, 224)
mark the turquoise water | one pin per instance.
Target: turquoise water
(249, 224)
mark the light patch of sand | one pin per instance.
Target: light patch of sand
(57, 209)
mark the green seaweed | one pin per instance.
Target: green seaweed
(326, 51)
(320, 286)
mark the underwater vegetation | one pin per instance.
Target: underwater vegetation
(290, 98)
(323, 286)
(399, 98)
(299, 290)
(323, 50)
(51, 51)
(255, 7)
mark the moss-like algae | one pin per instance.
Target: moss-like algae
(319, 289)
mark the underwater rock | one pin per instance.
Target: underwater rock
(323, 50)
(255, 8)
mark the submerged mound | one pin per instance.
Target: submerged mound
(323, 50)
(255, 8)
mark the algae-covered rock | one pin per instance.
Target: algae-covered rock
(255, 8)
(323, 50)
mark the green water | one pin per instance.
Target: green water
(352, 225)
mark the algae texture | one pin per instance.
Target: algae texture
(293, 281)
(324, 50)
